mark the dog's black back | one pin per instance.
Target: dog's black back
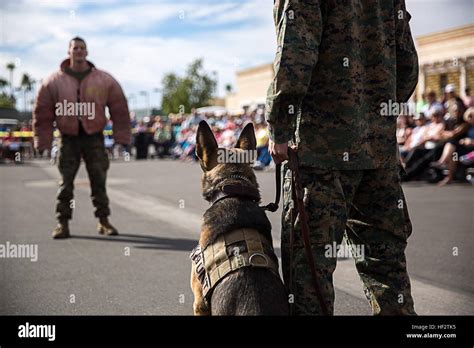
(248, 291)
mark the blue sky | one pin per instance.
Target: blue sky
(139, 41)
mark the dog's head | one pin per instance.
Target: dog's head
(225, 166)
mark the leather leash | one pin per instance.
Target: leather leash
(273, 206)
(297, 191)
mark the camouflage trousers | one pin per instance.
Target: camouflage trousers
(367, 207)
(91, 148)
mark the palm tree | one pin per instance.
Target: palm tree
(6, 101)
(11, 67)
(27, 86)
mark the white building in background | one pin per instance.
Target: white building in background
(446, 57)
(251, 85)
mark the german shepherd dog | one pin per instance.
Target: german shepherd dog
(248, 290)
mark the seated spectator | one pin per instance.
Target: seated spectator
(420, 104)
(433, 130)
(189, 145)
(431, 103)
(452, 105)
(141, 140)
(403, 129)
(108, 139)
(430, 147)
(263, 155)
(460, 147)
(228, 136)
(192, 120)
(459, 126)
(416, 135)
(162, 137)
(468, 99)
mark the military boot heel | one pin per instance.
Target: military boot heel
(61, 231)
(104, 227)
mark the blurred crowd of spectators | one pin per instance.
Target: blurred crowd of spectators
(174, 136)
(16, 140)
(436, 143)
(435, 139)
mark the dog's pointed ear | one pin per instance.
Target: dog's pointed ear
(247, 140)
(206, 146)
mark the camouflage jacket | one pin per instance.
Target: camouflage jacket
(337, 64)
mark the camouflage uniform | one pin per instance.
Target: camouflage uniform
(337, 62)
(370, 206)
(91, 148)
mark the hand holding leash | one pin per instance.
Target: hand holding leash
(279, 152)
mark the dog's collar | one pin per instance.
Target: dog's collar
(233, 176)
(235, 190)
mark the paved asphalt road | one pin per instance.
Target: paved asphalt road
(157, 206)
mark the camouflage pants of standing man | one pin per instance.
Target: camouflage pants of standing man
(369, 208)
(91, 148)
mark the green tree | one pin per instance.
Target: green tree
(3, 83)
(195, 89)
(5, 100)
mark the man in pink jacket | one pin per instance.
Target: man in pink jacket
(75, 98)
